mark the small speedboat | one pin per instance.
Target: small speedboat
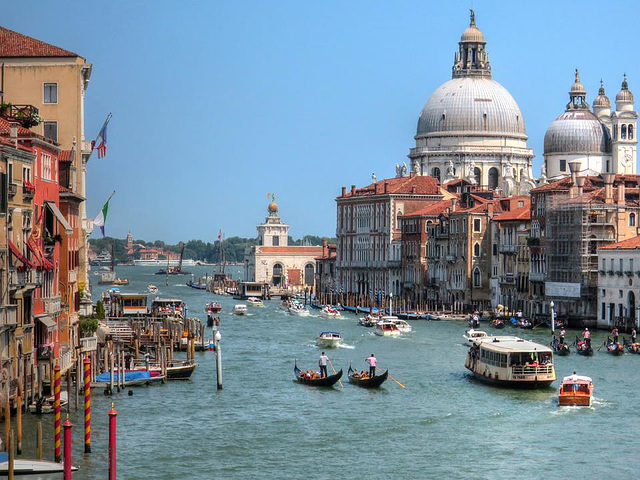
(212, 307)
(448, 316)
(254, 302)
(132, 378)
(240, 309)
(386, 328)
(36, 469)
(329, 339)
(120, 281)
(46, 404)
(369, 321)
(472, 335)
(402, 325)
(152, 289)
(330, 312)
(576, 390)
(299, 310)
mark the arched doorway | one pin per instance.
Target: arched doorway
(277, 278)
(494, 176)
(308, 274)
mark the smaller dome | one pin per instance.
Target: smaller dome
(601, 101)
(624, 95)
(577, 88)
(577, 132)
(472, 34)
(273, 207)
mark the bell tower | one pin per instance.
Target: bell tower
(624, 143)
(273, 233)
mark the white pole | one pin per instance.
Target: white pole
(553, 320)
(217, 338)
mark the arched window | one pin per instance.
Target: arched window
(615, 132)
(632, 219)
(476, 249)
(308, 274)
(477, 277)
(435, 173)
(477, 174)
(623, 132)
(494, 175)
(630, 132)
(277, 277)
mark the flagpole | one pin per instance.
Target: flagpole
(110, 196)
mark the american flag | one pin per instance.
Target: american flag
(102, 138)
(220, 235)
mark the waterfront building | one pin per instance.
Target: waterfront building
(55, 81)
(369, 235)
(618, 284)
(274, 261)
(326, 272)
(471, 127)
(600, 141)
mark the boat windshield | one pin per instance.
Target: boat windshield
(530, 358)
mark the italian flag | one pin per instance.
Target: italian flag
(101, 218)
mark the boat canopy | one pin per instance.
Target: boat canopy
(580, 380)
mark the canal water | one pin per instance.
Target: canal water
(444, 424)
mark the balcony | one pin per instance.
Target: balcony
(12, 189)
(26, 115)
(88, 344)
(536, 277)
(26, 279)
(9, 318)
(52, 305)
(28, 191)
(508, 279)
(65, 360)
(508, 248)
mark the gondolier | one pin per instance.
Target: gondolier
(615, 334)
(562, 334)
(587, 337)
(322, 363)
(633, 335)
(372, 361)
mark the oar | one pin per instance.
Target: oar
(602, 345)
(396, 381)
(334, 372)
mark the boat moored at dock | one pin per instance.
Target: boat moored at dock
(511, 361)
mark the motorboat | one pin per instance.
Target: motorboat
(240, 309)
(386, 328)
(152, 289)
(576, 390)
(120, 281)
(329, 339)
(330, 312)
(37, 469)
(472, 335)
(402, 325)
(132, 378)
(254, 302)
(46, 404)
(212, 307)
(299, 310)
(451, 316)
(369, 321)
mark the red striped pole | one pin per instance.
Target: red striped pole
(87, 405)
(56, 404)
(67, 448)
(112, 443)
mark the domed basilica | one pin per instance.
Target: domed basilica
(472, 128)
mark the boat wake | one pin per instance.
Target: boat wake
(344, 345)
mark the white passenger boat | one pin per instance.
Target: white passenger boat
(511, 361)
(369, 320)
(254, 302)
(386, 328)
(472, 335)
(152, 289)
(240, 309)
(330, 312)
(34, 469)
(452, 316)
(403, 325)
(329, 339)
(299, 310)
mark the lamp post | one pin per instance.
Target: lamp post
(553, 319)
(391, 304)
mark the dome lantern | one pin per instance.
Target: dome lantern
(471, 59)
(624, 98)
(577, 95)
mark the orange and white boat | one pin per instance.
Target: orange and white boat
(576, 390)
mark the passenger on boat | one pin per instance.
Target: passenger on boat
(322, 363)
(562, 334)
(633, 335)
(372, 365)
(614, 332)
(587, 337)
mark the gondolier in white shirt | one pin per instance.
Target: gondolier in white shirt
(322, 363)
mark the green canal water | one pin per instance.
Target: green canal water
(443, 425)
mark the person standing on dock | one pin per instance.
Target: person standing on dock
(372, 361)
(587, 337)
(322, 363)
(615, 334)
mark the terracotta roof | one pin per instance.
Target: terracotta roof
(66, 156)
(5, 128)
(628, 244)
(293, 249)
(14, 44)
(433, 209)
(424, 185)
(522, 213)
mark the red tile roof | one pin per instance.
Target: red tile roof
(14, 44)
(423, 185)
(522, 213)
(628, 244)
(317, 250)
(433, 209)
(5, 128)
(65, 156)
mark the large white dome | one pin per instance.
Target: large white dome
(473, 105)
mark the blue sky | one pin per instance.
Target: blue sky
(217, 103)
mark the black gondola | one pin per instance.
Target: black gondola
(582, 348)
(328, 381)
(614, 348)
(374, 382)
(561, 349)
(631, 347)
(497, 323)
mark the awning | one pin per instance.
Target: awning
(20, 256)
(48, 322)
(63, 221)
(45, 263)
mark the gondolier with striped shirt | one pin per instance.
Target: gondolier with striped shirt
(372, 361)
(322, 363)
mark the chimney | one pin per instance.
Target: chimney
(574, 167)
(412, 174)
(621, 193)
(386, 184)
(490, 206)
(353, 189)
(454, 201)
(325, 247)
(344, 191)
(13, 131)
(580, 182)
(608, 187)
(414, 189)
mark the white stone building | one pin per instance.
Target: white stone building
(277, 263)
(472, 128)
(619, 284)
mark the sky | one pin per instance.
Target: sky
(217, 103)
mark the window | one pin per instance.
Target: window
(46, 172)
(476, 225)
(632, 219)
(476, 250)
(493, 178)
(495, 249)
(630, 132)
(51, 130)
(50, 93)
(477, 279)
(563, 165)
(623, 132)
(275, 240)
(620, 293)
(435, 173)
(603, 312)
(631, 264)
(10, 171)
(621, 270)
(520, 204)
(26, 174)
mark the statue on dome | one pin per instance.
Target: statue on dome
(404, 169)
(417, 168)
(451, 172)
(398, 170)
(543, 180)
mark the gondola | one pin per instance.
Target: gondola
(561, 349)
(614, 348)
(327, 381)
(374, 382)
(632, 347)
(497, 323)
(582, 348)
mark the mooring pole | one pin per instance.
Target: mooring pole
(112, 443)
(39, 442)
(217, 338)
(56, 406)
(67, 448)
(87, 405)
